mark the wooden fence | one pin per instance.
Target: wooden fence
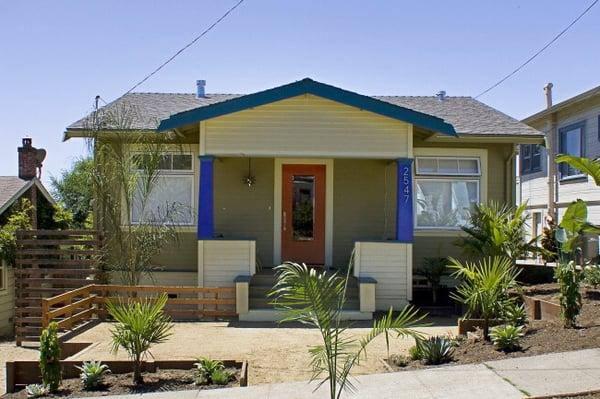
(50, 262)
(81, 305)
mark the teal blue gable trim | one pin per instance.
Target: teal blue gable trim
(308, 86)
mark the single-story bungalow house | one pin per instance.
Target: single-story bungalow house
(308, 172)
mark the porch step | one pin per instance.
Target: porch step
(265, 303)
(274, 315)
(261, 291)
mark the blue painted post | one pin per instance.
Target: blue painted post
(206, 224)
(404, 201)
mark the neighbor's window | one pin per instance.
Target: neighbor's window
(446, 190)
(531, 158)
(170, 195)
(571, 142)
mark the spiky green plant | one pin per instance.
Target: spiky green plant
(484, 287)
(569, 278)
(205, 368)
(220, 377)
(50, 357)
(316, 299)
(36, 390)
(507, 337)
(514, 313)
(141, 323)
(436, 350)
(591, 275)
(498, 230)
(92, 374)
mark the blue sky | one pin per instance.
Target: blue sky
(56, 56)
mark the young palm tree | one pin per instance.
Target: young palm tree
(140, 324)
(316, 299)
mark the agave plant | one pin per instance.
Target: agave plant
(316, 299)
(436, 350)
(36, 390)
(484, 287)
(92, 374)
(140, 324)
(207, 370)
(507, 337)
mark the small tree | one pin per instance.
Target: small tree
(433, 269)
(19, 219)
(50, 357)
(569, 279)
(141, 323)
(72, 188)
(317, 299)
(484, 287)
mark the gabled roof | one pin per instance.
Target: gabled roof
(467, 116)
(12, 188)
(308, 86)
(586, 95)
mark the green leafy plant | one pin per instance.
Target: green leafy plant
(498, 230)
(73, 190)
(569, 278)
(484, 287)
(316, 299)
(141, 323)
(548, 240)
(50, 357)
(507, 337)
(399, 360)
(220, 377)
(433, 269)
(92, 374)
(591, 275)
(19, 219)
(414, 352)
(514, 313)
(36, 390)
(205, 368)
(436, 350)
(571, 228)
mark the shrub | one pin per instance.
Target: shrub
(514, 313)
(220, 377)
(92, 374)
(36, 390)
(591, 275)
(484, 287)
(507, 337)
(570, 298)
(19, 219)
(436, 350)
(205, 369)
(414, 352)
(140, 325)
(399, 360)
(50, 357)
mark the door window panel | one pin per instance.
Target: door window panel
(303, 207)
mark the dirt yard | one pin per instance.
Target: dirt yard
(9, 351)
(275, 354)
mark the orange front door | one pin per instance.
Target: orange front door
(303, 214)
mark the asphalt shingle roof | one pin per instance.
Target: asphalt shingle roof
(9, 187)
(467, 115)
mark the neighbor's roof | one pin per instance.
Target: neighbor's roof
(563, 104)
(12, 188)
(466, 115)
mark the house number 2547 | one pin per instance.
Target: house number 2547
(406, 183)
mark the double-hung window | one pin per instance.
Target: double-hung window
(531, 158)
(446, 190)
(168, 198)
(571, 143)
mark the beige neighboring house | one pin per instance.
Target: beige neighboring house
(574, 125)
(313, 173)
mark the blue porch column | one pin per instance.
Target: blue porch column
(206, 224)
(404, 201)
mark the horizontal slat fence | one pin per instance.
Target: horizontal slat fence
(49, 263)
(185, 303)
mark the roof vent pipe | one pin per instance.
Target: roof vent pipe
(441, 95)
(548, 90)
(200, 85)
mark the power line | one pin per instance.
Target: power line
(161, 66)
(554, 39)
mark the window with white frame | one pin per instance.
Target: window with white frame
(571, 143)
(446, 190)
(169, 198)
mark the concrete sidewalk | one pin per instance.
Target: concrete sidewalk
(552, 374)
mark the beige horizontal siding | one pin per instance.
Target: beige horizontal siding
(7, 304)
(221, 261)
(390, 263)
(306, 125)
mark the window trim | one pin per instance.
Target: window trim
(466, 158)
(3, 275)
(448, 179)
(573, 126)
(189, 173)
(522, 158)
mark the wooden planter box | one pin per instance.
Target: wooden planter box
(540, 309)
(21, 373)
(469, 325)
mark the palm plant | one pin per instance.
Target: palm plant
(484, 287)
(316, 299)
(433, 269)
(141, 323)
(498, 230)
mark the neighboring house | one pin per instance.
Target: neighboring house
(575, 125)
(309, 172)
(12, 189)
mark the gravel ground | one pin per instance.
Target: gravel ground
(275, 354)
(9, 351)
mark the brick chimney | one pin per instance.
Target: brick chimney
(28, 161)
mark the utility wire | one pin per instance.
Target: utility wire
(161, 66)
(554, 39)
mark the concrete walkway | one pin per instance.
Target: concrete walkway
(552, 374)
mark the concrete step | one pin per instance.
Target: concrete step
(274, 315)
(265, 303)
(263, 291)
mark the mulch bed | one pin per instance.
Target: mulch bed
(540, 336)
(119, 384)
